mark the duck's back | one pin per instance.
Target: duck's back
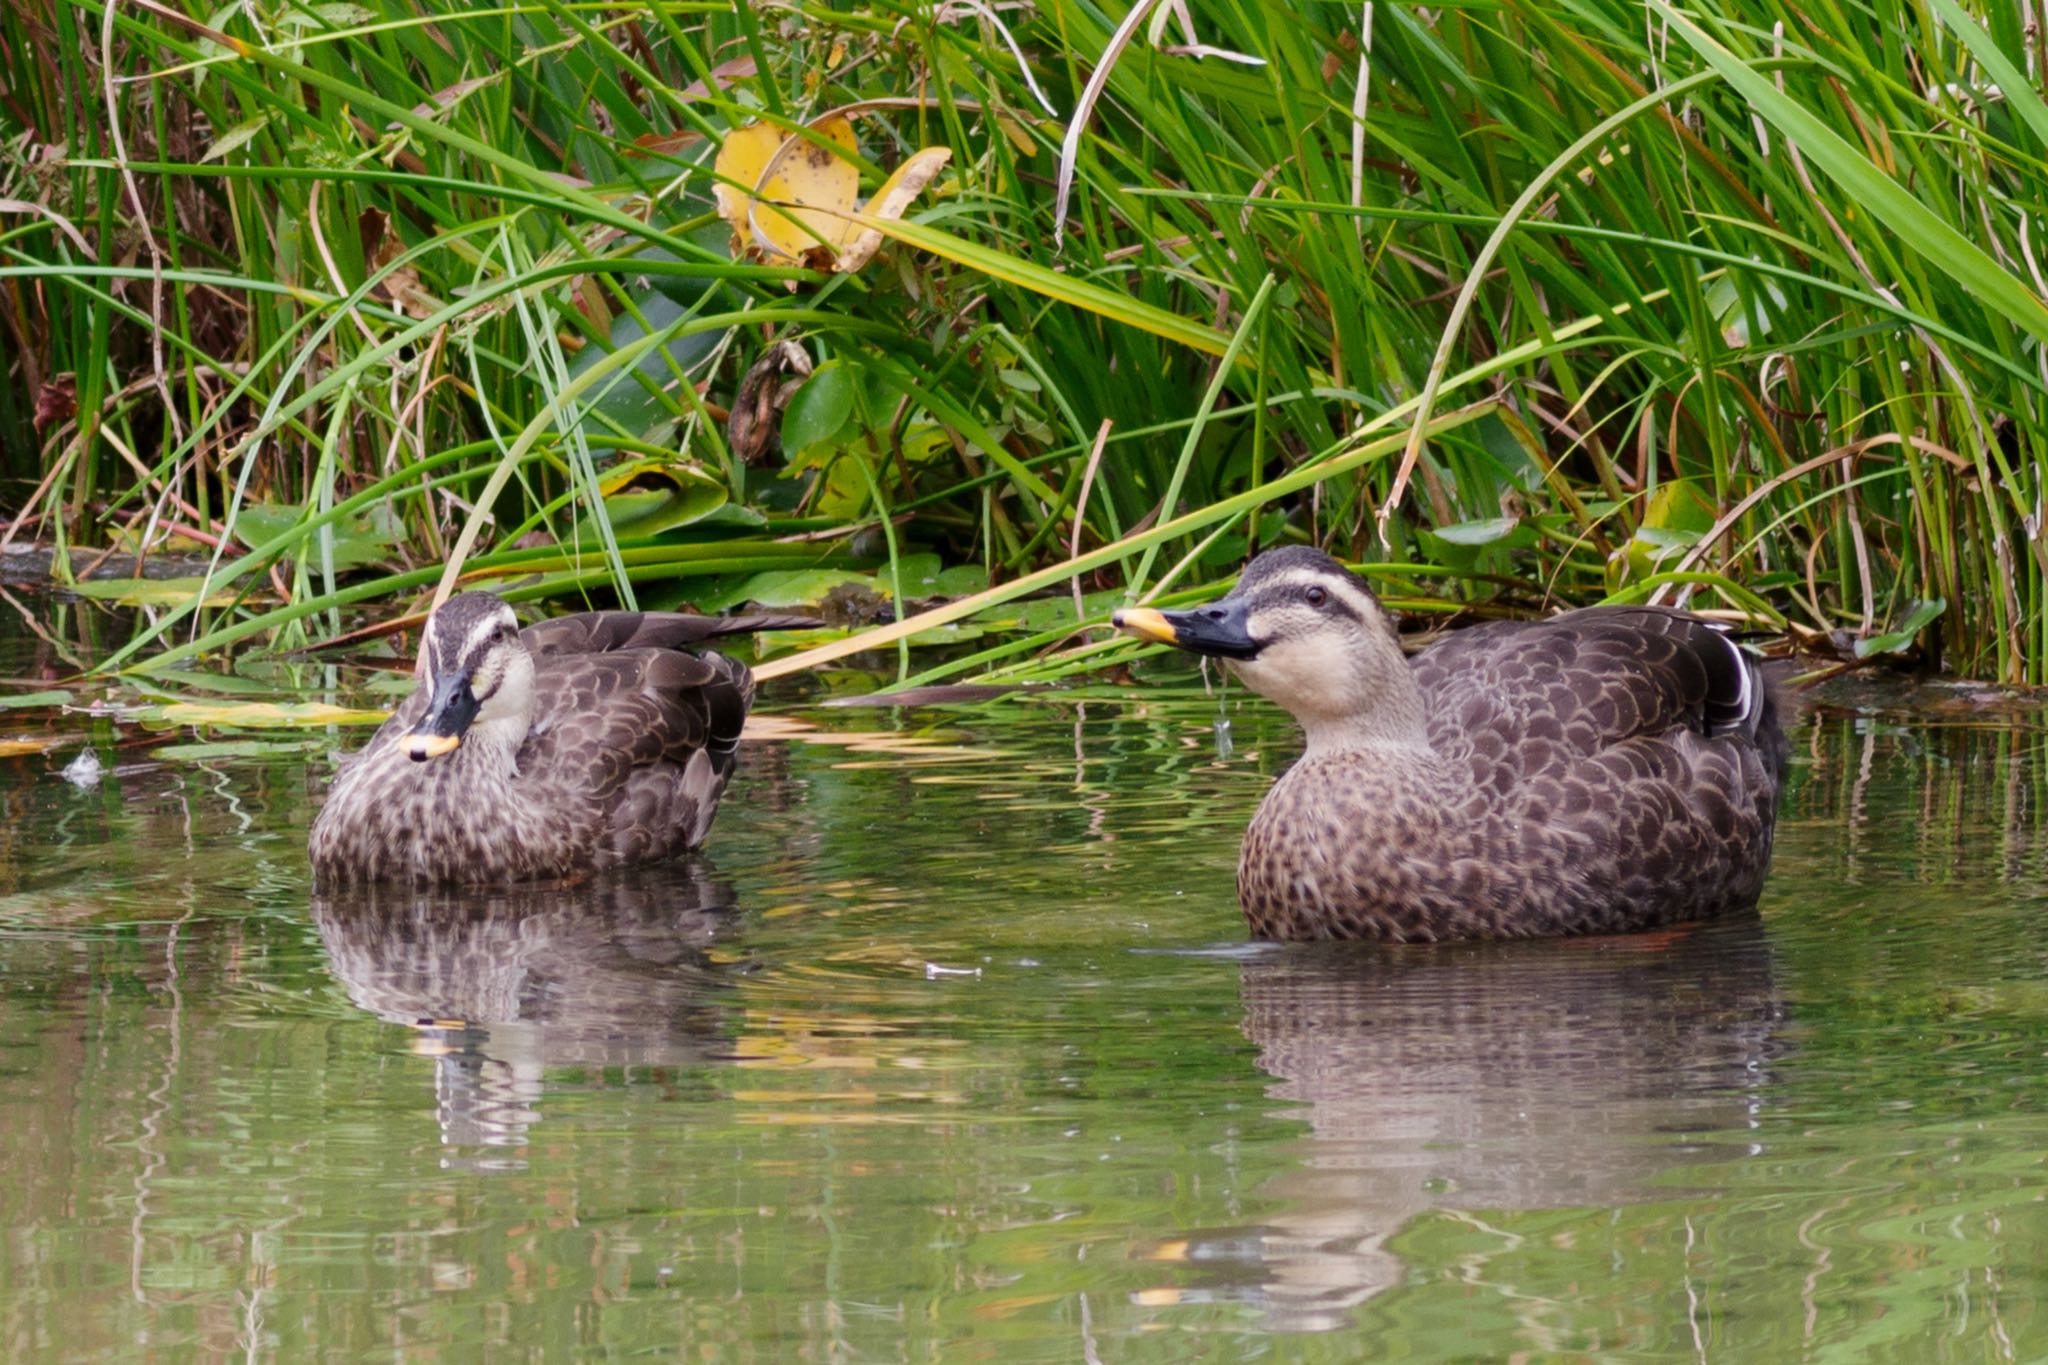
(1625, 761)
(1521, 697)
(645, 738)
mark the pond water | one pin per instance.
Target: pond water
(954, 1050)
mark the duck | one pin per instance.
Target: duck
(1607, 770)
(575, 744)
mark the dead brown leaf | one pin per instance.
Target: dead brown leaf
(56, 402)
(890, 202)
(755, 425)
(401, 288)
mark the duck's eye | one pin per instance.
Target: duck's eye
(1317, 596)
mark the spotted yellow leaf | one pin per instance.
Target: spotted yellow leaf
(891, 201)
(746, 153)
(806, 194)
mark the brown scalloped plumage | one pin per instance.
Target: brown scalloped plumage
(620, 757)
(1602, 771)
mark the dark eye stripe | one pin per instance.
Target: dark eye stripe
(1339, 603)
(1335, 600)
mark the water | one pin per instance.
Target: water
(955, 1051)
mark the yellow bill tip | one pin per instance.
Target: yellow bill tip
(423, 747)
(1145, 623)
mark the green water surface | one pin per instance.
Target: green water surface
(954, 1050)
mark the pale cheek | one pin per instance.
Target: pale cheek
(513, 696)
(1305, 679)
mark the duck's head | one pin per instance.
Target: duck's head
(1301, 629)
(477, 674)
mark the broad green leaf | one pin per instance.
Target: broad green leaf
(1668, 537)
(1479, 532)
(1050, 613)
(1900, 639)
(821, 410)
(636, 406)
(952, 633)
(962, 579)
(1677, 515)
(1679, 504)
(1514, 450)
(920, 574)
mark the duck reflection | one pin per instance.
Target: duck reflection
(503, 984)
(1483, 1077)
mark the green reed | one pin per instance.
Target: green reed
(1743, 305)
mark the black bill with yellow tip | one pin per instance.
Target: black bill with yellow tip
(1217, 630)
(449, 712)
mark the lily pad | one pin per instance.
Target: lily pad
(1049, 613)
(360, 540)
(962, 580)
(782, 588)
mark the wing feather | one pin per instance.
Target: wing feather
(605, 632)
(1518, 699)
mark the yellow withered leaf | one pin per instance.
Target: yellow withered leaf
(806, 194)
(745, 155)
(1019, 138)
(263, 714)
(891, 201)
